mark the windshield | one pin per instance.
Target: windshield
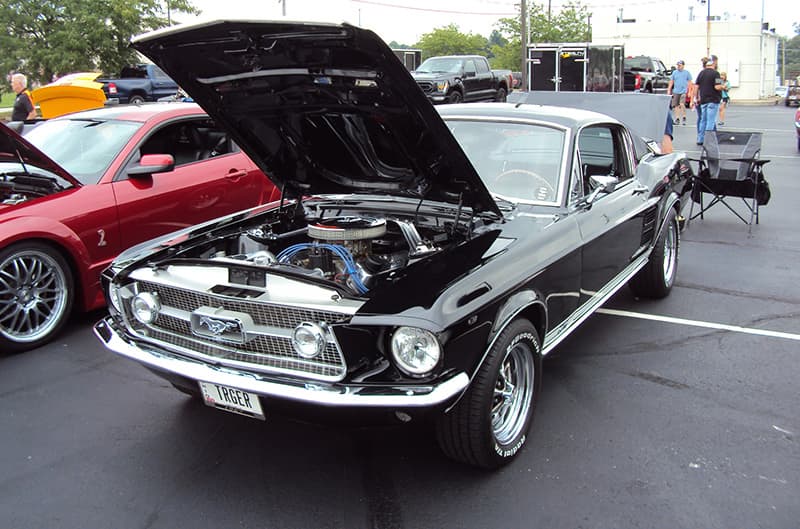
(85, 148)
(440, 66)
(520, 162)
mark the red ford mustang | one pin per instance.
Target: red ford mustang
(114, 177)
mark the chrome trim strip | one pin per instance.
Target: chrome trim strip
(560, 332)
(400, 396)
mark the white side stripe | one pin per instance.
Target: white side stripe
(696, 323)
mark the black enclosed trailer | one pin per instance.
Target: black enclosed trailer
(411, 58)
(575, 67)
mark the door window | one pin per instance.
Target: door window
(602, 151)
(188, 141)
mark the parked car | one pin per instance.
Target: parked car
(792, 96)
(121, 176)
(424, 260)
(457, 78)
(643, 73)
(137, 84)
(780, 91)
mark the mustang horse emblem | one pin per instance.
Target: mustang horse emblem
(217, 327)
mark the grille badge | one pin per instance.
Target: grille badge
(221, 325)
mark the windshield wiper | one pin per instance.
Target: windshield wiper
(503, 203)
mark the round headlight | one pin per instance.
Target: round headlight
(145, 307)
(308, 339)
(416, 351)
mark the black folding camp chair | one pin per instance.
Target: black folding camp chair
(730, 166)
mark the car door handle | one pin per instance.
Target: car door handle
(639, 189)
(236, 174)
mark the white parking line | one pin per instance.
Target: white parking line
(697, 323)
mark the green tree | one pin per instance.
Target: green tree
(569, 24)
(791, 56)
(449, 40)
(44, 38)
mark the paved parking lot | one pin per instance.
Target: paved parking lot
(679, 413)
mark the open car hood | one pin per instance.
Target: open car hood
(321, 108)
(14, 149)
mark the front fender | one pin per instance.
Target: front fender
(526, 301)
(26, 228)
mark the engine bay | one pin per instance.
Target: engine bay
(355, 251)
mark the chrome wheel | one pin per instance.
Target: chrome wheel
(670, 253)
(34, 295)
(489, 424)
(512, 393)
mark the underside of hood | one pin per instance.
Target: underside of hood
(321, 108)
(14, 149)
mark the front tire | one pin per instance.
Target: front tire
(455, 97)
(655, 280)
(489, 425)
(36, 291)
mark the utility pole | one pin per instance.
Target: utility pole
(523, 39)
(708, 29)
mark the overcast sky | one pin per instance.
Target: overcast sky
(406, 20)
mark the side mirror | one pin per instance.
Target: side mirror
(151, 164)
(600, 184)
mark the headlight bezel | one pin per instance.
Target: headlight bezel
(442, 86)
(150, 302)
(314, 341)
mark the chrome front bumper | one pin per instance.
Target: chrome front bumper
(344, 395)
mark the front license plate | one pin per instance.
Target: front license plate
(231, 399)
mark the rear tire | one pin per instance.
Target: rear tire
(136, 100)
(655, 280)
(502, 95)
(489, 424)
(36, 291)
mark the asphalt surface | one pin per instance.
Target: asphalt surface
(673, 423)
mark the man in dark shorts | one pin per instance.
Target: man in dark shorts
(709, 87)
(23, 106)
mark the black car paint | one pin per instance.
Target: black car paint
(549, 264)
(344, 62)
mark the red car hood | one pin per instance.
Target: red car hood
(16, 149)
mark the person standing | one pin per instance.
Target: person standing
(723, 106)
(709, 88)
(23, 106)
(694, 97)
(679, 84)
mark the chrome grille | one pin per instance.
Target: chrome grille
(261, 352)
(262, 313)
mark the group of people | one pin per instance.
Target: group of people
(707, 93)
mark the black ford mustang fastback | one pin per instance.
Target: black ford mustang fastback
(422, 261)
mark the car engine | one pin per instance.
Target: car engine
(353, 251)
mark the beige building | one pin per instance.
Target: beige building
(745, 52)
